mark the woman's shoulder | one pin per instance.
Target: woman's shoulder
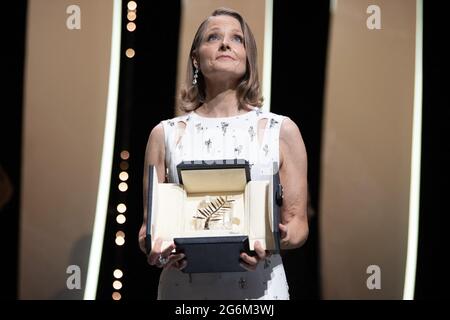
(288, 128)
(274, 118)
(180, 118)
(264, 113)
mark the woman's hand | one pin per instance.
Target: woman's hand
(293, 234)
(251, 262)
(165, 258)
(284, 236)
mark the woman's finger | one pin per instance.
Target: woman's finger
(174, 259)
(259, 250)
(182, 264)
(284, 230)
(156, 253)
(249, 259)
(167, 251)
(284, 235)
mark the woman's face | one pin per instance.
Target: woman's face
(222, 52)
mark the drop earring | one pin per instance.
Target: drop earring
(194, 81)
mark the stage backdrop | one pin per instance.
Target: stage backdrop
(367, 147)
(66, 87)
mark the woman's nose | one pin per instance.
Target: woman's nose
(225, 45)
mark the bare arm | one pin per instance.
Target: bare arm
(154, 155)
(293, 176)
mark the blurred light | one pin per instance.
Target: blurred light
(131, 26)
(121, 208)
(124, 165)
(123, 186)
(120, 234)
(124, 155)
(116, 296)
(117, 285)
(120, 241)
(120, 238)
(131, 15)
(123, 176)
(130, 53)
(121, 219)
(132, 5)
(118, 273)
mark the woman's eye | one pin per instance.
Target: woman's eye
(212, 37)
(238, 38)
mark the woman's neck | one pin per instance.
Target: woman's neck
(220, 104)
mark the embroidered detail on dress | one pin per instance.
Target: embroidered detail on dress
(199, 127)
(266, 149)
(171, 123)
(251, 132)
(273, 122)
(224, 127)
(188, 118)
(258, 111)
(238, 149)
(208, 144)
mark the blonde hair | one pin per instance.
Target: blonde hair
(248, 90)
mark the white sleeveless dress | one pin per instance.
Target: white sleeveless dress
(225, 138)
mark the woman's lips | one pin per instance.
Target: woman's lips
(225, 57)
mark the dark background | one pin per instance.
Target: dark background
(147, 93)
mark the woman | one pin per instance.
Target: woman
(223, 120)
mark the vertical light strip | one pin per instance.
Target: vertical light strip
(414, 195)
(107, 157)
(333, 6)
(267, 60)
